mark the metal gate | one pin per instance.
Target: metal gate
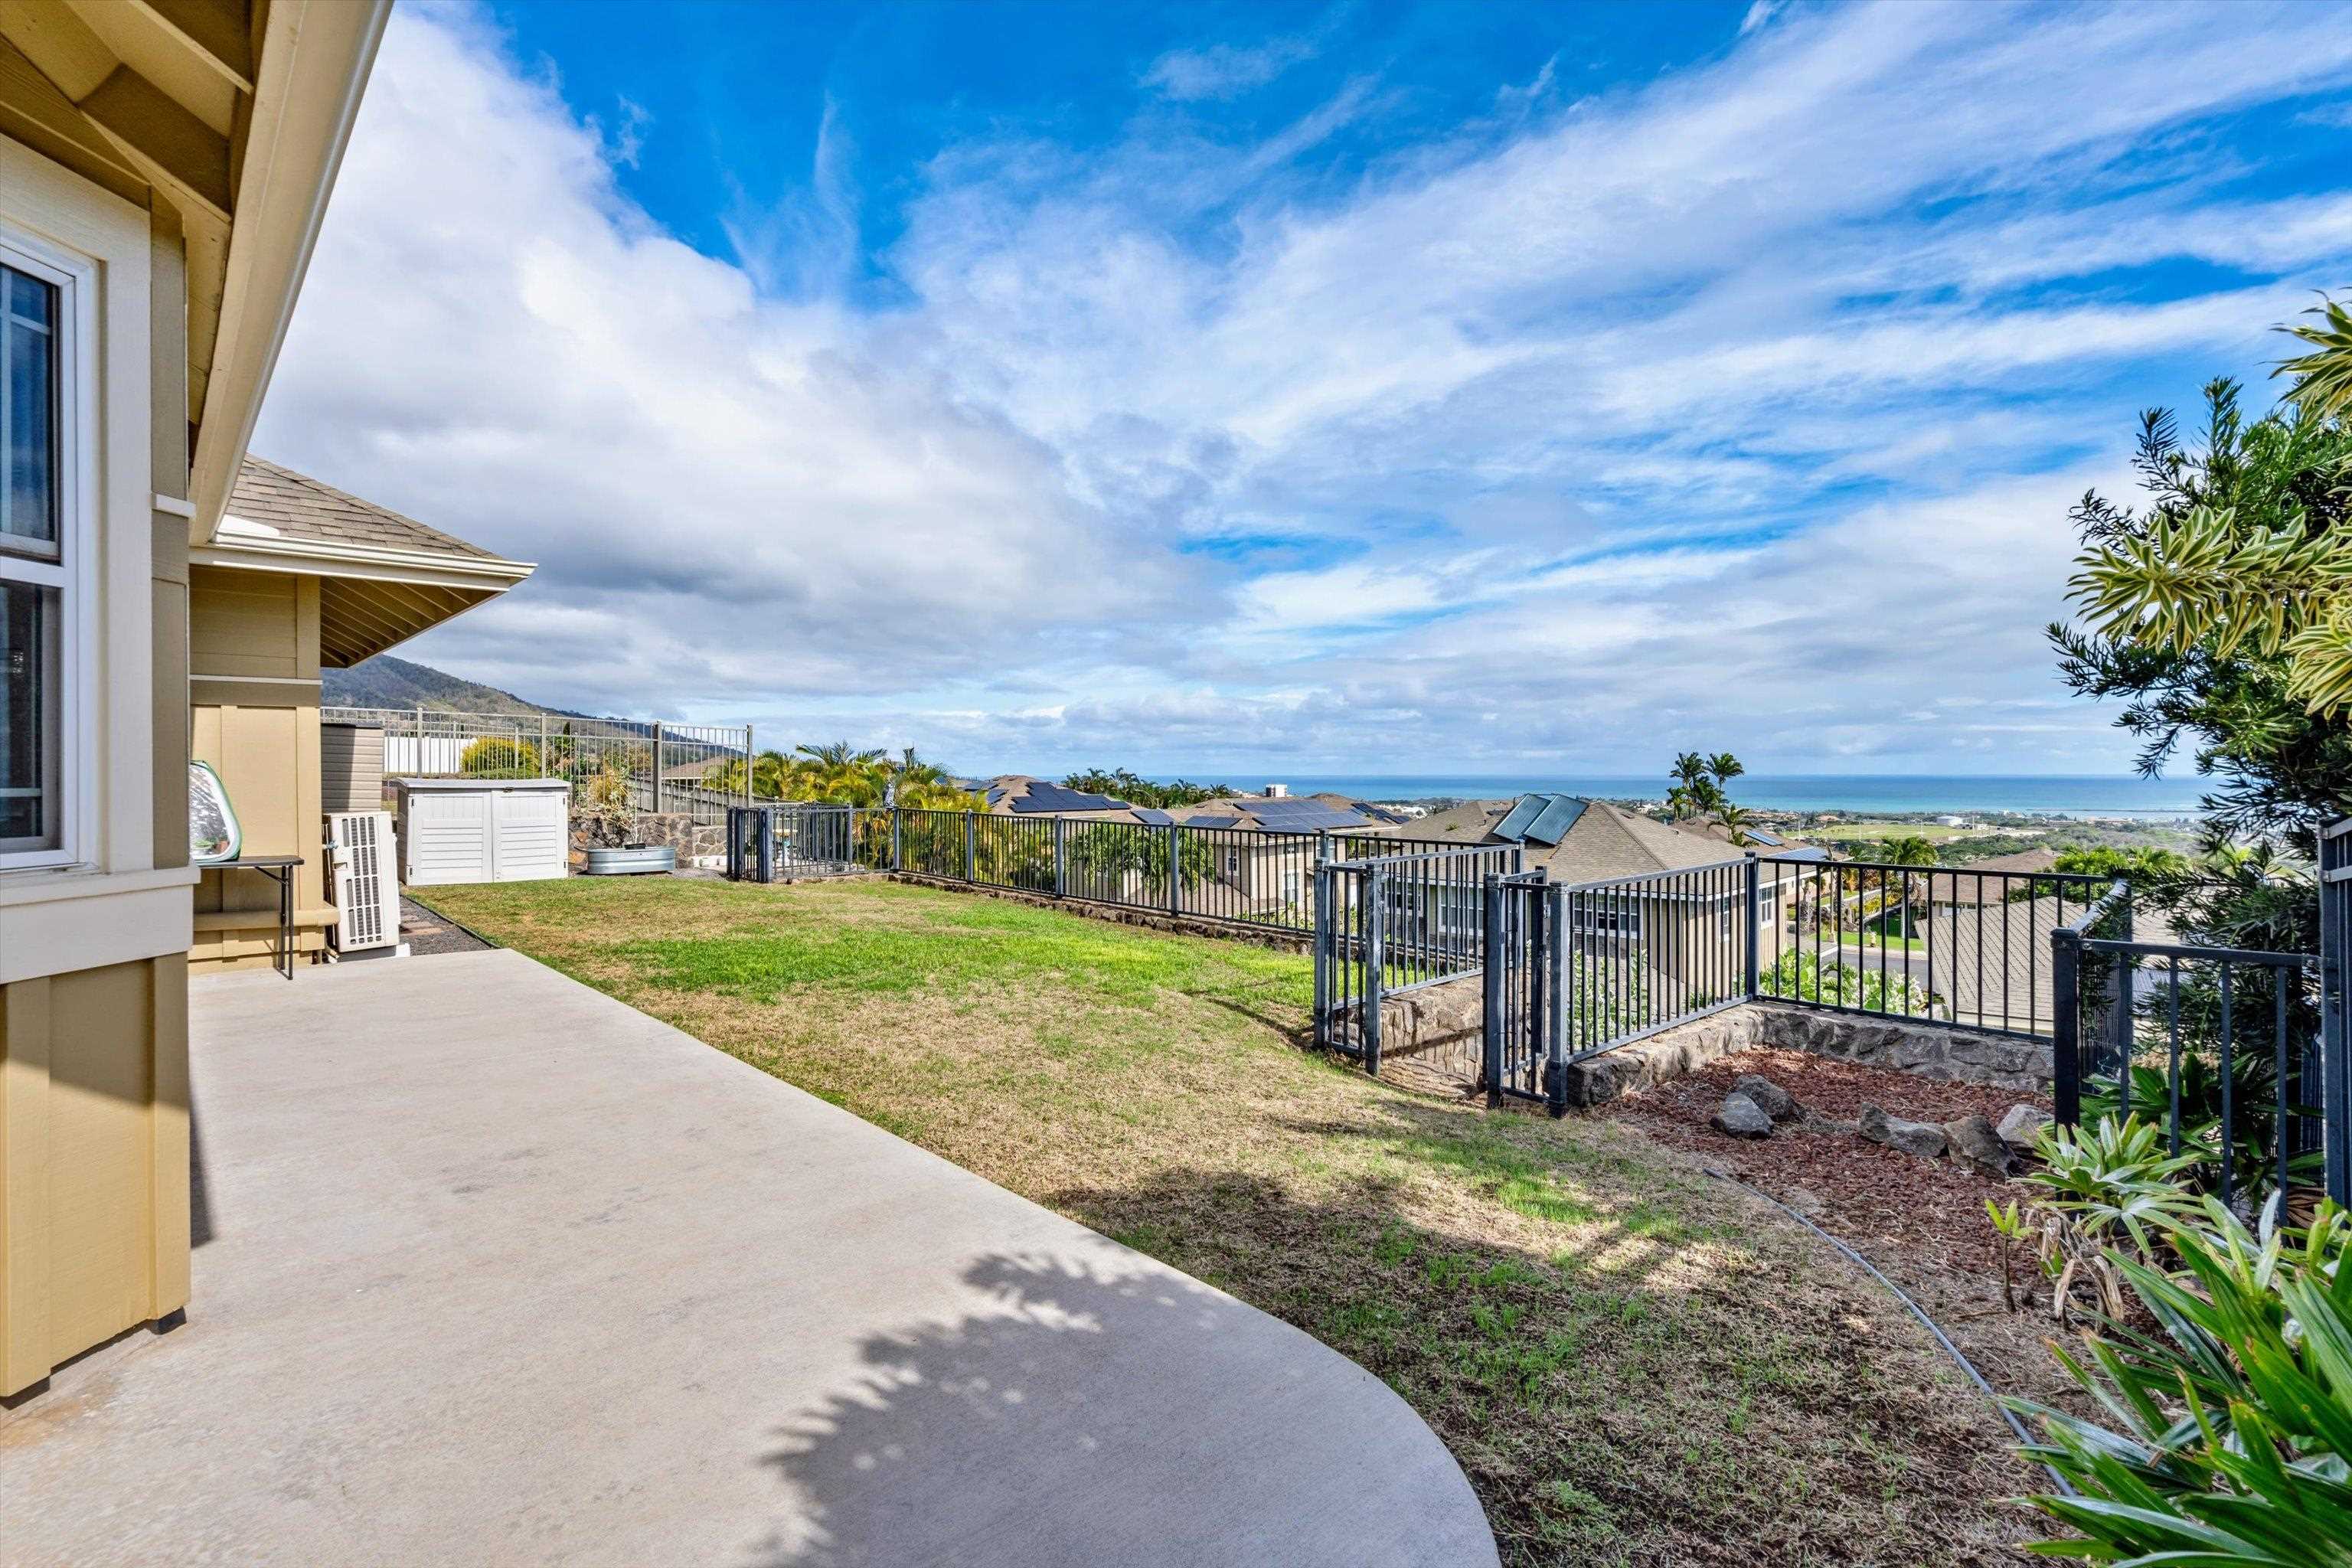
(779, 843)
(1522, 1035)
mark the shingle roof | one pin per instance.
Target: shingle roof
(1601, 841)
(299, 507)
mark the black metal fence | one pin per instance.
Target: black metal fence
(1393, 924)
(1936, 943)
(1241, 876)
(2224, 1046)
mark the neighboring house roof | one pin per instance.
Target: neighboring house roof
(1289, 814)
(1576, 840)
(1999, 876)
(1018, 795)
(383, 577)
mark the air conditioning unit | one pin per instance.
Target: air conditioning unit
(366, 884)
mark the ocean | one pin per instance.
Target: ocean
(2054, 795)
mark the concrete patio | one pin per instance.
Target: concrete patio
(493, 1269)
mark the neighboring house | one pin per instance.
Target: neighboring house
(1018, 795)
(299, 576)
(1995, 879)
(1990, 964)
(1255, 872)
(1577, 841)
(163, 168)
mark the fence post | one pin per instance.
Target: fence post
(747, 765)
(2065, 1025)
(657, 767)
(2335, 1072)
(542, 745)
(1061, 857)
(1490, 1033)
(1322, 874)
(1553, 932)
(1375, 933)
(895, 862)
(1175, 872)
(1755, 922)
(971, 854)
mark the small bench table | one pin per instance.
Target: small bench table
(278, 868)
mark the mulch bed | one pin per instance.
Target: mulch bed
(1922, 1221)
(1861, 1191)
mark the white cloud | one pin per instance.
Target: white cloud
(1223, 70)
(1582, 420)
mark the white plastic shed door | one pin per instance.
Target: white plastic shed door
(448, 837)
(527, 832)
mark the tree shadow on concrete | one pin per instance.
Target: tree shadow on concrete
(1111, 1413)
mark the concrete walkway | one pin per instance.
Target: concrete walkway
(494, 1270)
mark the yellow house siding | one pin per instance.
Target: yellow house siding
(254, 716)
(253, 624)
(93, 1158)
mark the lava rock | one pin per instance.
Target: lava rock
(1770, 1098)
(1921, 1138)
(2022, 1127)
(1741, 1118)
(1974, 1144)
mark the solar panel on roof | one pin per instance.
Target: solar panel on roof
(1540, 819)
(1214, 822)
(1059, 797)
(1152, 815)
(1523, 813)
(1558, 814)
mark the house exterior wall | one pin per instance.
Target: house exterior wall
(253, 688)
(93, 995)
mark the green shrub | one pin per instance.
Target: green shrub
(498, 757)
(2224, 1436)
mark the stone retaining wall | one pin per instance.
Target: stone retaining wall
(1926, 1050)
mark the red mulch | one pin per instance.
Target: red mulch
(1876, 1197)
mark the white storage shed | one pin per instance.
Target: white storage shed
(483, 830)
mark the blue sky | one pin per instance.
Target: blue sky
(1261, 390)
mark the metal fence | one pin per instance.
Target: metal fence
(2222, 1046)
(787, 843)
(1392, 923)
(1251, 877)
(638, 766)
(1934, 944)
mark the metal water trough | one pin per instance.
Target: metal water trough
(631, 860)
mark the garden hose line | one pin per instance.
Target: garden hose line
(1943, 1338)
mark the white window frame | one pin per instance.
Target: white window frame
(74, 574)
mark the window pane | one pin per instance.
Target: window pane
(28, 497)
(29, 717)
(30, 297)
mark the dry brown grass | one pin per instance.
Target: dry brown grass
(1634, 1363)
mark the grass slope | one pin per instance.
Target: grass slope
(1633, 1363)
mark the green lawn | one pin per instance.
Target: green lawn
(1632, 1363)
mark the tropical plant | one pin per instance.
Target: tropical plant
(1123, 784)
(2144, 866)
(2322, 378)
(2224, 1437)
(1802, 977)
(1735, 821)
(1723, 767)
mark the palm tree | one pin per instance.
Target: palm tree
(1904, 851)
(842, 772)
(1723, 767)
(1734, 820)
(1690, 778)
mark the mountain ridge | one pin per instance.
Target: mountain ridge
(384, 681)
